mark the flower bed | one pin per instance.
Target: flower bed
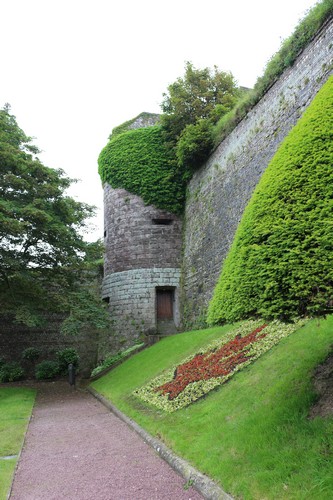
(211, 367)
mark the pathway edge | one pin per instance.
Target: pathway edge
(208, 488)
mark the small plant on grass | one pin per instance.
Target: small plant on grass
(10, 372)
(47, 370)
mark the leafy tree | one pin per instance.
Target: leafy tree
(281, 262)
(201, 93)
(43, 257)
(191, 107)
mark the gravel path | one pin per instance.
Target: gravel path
(76, 449)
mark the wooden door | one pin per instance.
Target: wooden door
(164, 304)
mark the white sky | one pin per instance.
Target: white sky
(74, 69)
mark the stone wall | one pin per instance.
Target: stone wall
(135, 236)
(15, 338)
(142, 253)
(220, 190)
(132, 297)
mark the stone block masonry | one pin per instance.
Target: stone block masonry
(137, 236)
(142, 254)
(132, 302)
(15, 338)
(221, 189)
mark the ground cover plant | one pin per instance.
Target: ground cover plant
(252, 434)
(214, 364)
(15, 410)
(280, 263)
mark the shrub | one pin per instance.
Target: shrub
(65, 357)
(195, 144)
(31, 353)
(10, 372)
(281, 262)
(47, 370)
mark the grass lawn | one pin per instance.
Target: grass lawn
(15, 409)
(252, 435)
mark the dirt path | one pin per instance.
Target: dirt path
(76, 449)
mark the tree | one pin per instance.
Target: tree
(200, 94)
(191, 107)
(42, 251)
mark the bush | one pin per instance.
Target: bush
(10, 372)
(31, 353)
(281, 262)
(46, 370)
(195, 144)
(65, 357)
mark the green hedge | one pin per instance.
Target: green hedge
(140, 162)
(281, 262)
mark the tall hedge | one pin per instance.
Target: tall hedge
(281, 262)
(140, 162)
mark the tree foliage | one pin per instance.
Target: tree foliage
(281, 261)
(42, 252)
(200, 94)
(157, 162)
(191, 108)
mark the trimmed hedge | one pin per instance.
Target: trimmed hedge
(281, 262)
(140, 162)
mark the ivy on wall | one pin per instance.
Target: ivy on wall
(281, 262)
(139, 161)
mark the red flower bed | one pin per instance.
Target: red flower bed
(211, 364)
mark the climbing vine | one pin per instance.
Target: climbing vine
(140, 162)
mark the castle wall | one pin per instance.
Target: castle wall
(142, 255)
(134, 238)
(15, 338)
(221, 189)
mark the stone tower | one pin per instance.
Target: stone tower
(141, 267)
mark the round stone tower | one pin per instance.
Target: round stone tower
(141, 267)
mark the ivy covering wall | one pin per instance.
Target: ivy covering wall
(140, 162)
(281, 262)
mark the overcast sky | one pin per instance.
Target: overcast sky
(74, 69)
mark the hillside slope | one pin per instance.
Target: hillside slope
(253, 434)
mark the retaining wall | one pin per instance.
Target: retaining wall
(221, 189)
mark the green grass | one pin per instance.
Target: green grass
(15, 409)
(252, 435)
